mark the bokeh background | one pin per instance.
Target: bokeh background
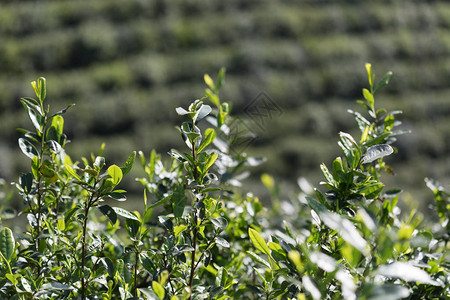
(128, 64)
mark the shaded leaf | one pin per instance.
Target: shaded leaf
(7, 243)
(179, 201)
(109, 212)
(384, 81)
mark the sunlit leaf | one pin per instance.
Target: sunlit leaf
(406, 272)
(258, 241)
(114, 174)
(375, 152)
(27, 148)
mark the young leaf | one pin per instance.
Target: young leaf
(7, 243)
(258, 241)
(209, 82)
(42, 86)
(158, 289)
(376, 152)
(114, 174)
(210, 135)
(369, 97)
(369, 74)
(179, 229)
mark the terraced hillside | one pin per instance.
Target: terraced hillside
(128, 64)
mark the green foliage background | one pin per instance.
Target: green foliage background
(127, 64)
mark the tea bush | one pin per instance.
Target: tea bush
(200, 236)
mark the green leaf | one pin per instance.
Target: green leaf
(129, 163)
(13, 278)
(125, 213)
(212, 97)
(158, 289)
(209, 82)
(376, 152)
(220, 79)
(62, 111)
(71, 171)
(210, 135)
(27, 148)
(258, 259)
(26, 182)
(179, 201)
(161, 201)
(42, 87)
(114, 174)
(212, 158)
(372, 191)
(369, 97)
(7, 243)
(369, 74)
(383, 82)
(258, 241)
(117, 196)
(179, 229)
(326, 173)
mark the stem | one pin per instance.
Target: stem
(194, 245)
(135, 272)
(89, 203)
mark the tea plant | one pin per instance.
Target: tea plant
(355, 244)
(200, 237)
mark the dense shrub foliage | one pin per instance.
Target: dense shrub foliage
(137, 60)
(200, 237)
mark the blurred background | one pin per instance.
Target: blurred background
(128, 64)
